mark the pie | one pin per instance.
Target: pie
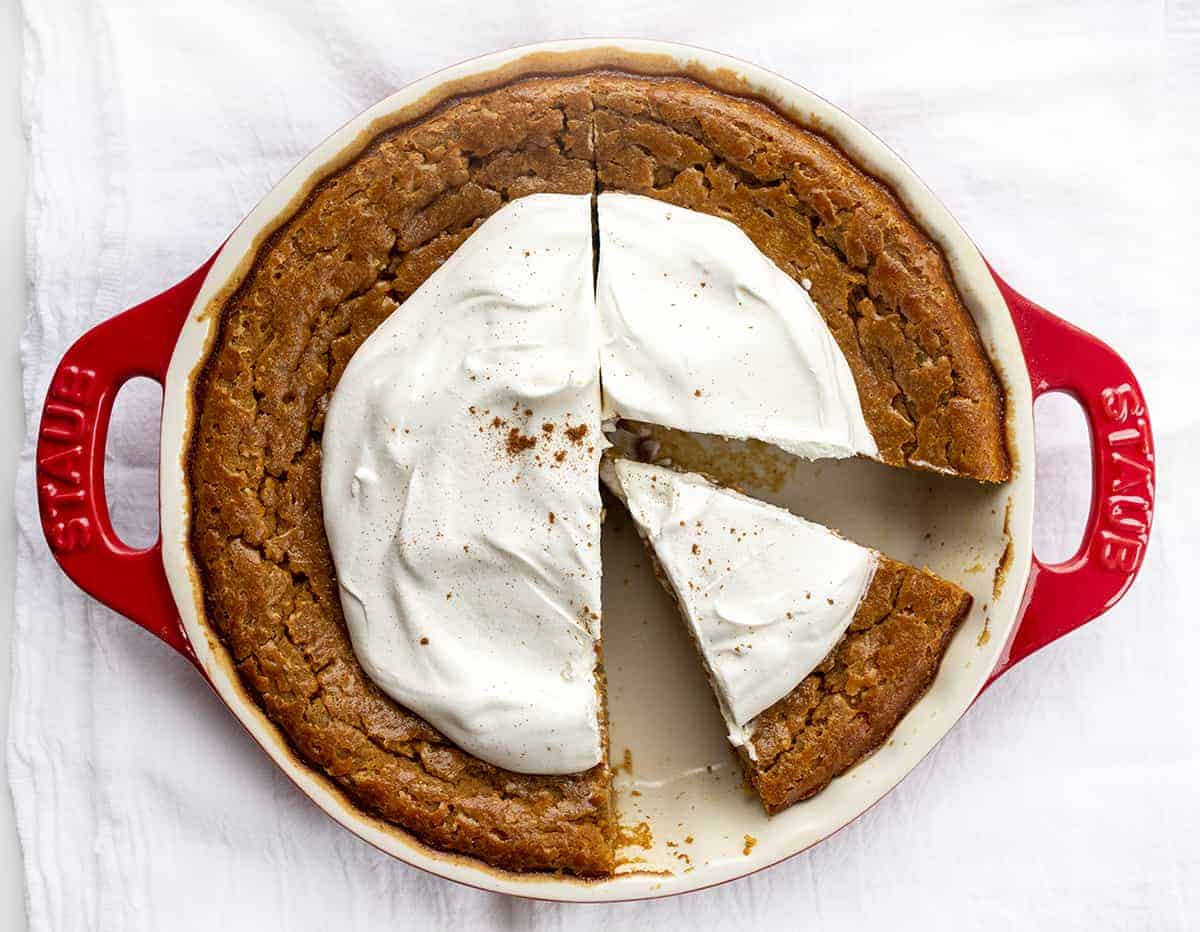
(363, 244)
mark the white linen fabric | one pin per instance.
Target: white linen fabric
(1064, 136)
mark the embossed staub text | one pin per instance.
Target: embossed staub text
(63, 480)
(1127, 501)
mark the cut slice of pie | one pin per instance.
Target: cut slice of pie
(815, 647)
(703, 332)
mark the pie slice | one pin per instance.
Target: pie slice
(702, 332)
(815, 647)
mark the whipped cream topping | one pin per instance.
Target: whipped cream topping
(703, 332)
(460, 498)
(765, 593)
(462, 445)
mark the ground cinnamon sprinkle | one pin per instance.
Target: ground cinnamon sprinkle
(552, 517)
(547, 428)
(560, 456)
(517, 443)
(577, 433)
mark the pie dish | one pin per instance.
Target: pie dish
(960, 430)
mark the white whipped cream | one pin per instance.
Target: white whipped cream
(461, 450)
(766, 594)
(465, 533)
(703, 332)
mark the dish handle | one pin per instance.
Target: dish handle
(70, 459)
(1060, 597)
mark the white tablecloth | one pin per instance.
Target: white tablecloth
(1065, 138)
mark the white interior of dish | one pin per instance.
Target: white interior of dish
(686, 779)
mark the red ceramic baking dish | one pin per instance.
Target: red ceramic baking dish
(684, 780)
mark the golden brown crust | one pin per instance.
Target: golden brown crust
(364, 241)
(848, 706)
